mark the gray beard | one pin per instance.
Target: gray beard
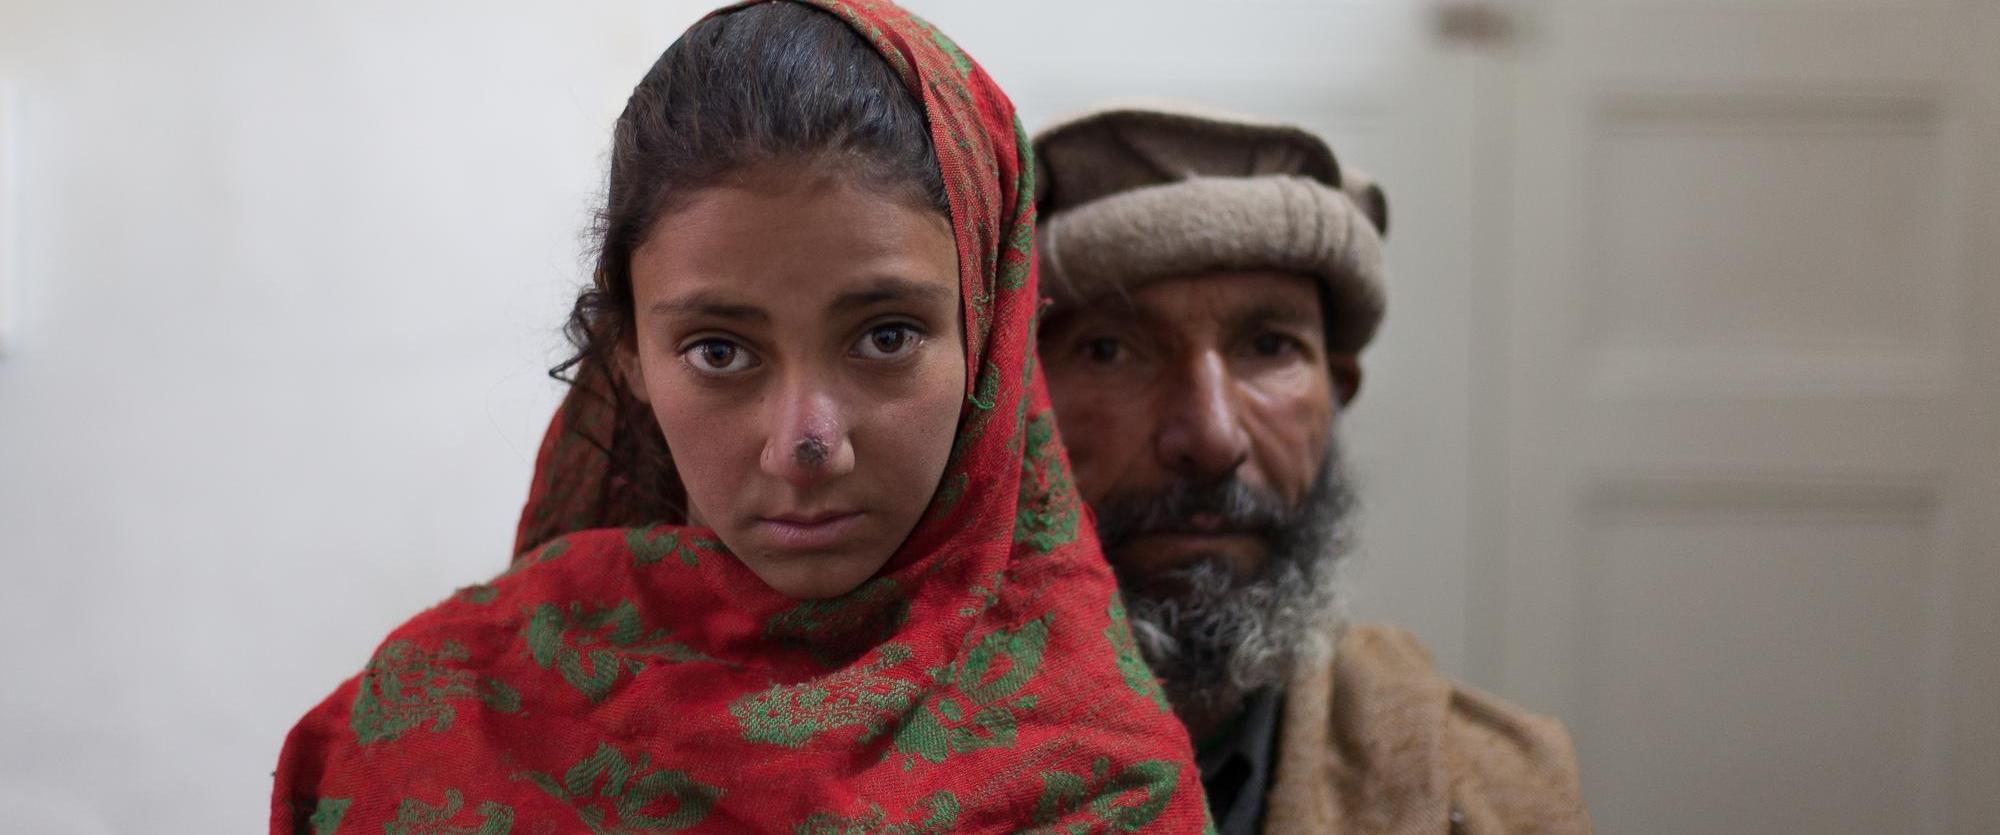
(1213, 637)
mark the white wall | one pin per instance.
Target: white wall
(288, 283)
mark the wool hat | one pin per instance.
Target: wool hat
(1127, 196)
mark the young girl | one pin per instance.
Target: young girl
(874, 603)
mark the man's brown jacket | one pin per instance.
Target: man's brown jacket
(1379, 743)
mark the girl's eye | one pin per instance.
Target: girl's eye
(888, 341)
(717, 357)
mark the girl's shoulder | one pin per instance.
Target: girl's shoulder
(448, 693)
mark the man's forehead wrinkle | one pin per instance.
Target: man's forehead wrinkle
(1195, 309)
(1166, 312)
(1118, 302)
(1119, 307)
(1231, 297)
(1269, 311)
(1248, 304)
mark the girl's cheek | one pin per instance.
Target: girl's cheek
(707, 439)
(938, 396)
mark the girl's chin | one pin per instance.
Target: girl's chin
(815, 576)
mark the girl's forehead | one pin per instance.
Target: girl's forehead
(825, 247)
(786, 214)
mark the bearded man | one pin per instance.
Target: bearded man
(1213, 282)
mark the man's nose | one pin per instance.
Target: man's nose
(1203, 435)
(808, 441)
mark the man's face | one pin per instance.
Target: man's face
(1191, 383)
(1199, 416)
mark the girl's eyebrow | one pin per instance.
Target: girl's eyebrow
(877, 292)
(704, 304)
(889, 290)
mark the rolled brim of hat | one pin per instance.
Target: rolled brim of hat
(1207, 225)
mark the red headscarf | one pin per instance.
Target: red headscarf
(640, 679)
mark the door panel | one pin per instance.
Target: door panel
(1735, 434)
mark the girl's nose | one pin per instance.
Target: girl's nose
(809, 440)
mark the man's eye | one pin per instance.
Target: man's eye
(1273, 345)
(888, 341)
(717, 357)
(1103, 349)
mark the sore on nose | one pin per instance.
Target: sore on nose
(808, 441)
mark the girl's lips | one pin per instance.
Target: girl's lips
(818, 533)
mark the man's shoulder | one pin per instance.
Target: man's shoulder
(1382, 662)
(1508, 770)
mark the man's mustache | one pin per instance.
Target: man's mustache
(1229, 505)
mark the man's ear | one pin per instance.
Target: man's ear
(1346, 372)
(625, 363)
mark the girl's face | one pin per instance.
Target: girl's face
(799, 340)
